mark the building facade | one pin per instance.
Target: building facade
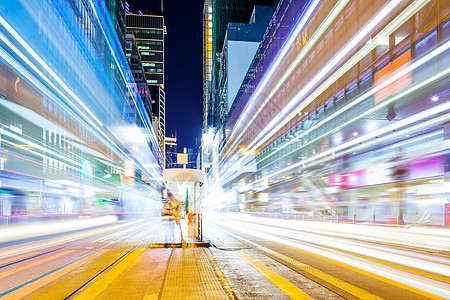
(137, 72)
(149, 31)
(240, 44)
(116, 9)
(66, 108)
(344, 113)
(193, 158)
(171, 152)
(216, 16)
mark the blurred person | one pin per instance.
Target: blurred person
(176, 208)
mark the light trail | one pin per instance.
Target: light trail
(46, 67)
(300, 25)
(379, 17)
(432, 239)
(311, 42)
(370, 93)
(32, 144)
(45, 230)
(406, 258)
(99, 133)
(382, 104)
(444, 47)
(25, 73)
(400, 19)
(416, 283)
(336, 59)
(405, 122)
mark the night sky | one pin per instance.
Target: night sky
(183, 67)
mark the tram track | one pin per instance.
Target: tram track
(257, 247)
(91, 281)
(82, 240)
(355, 245)
(363, 238)
(73, 255)
(248, 246)
(427, 283)
(81, 237)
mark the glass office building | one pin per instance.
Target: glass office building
(116, 9)
(149, 31)
(68, 145)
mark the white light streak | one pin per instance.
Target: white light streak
(413, 8)
(392, 79)
(34, 145)
(405, 122)
(299, 27)
(102, 136)
(311, 42)
(285, 237)
(46, 67)
(333, 63)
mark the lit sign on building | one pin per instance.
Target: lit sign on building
(396, 65)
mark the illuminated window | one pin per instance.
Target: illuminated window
(151, 70)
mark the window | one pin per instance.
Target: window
(150, 70)
(446, 31)
(427, 43)
(148, 64)
(148, 53)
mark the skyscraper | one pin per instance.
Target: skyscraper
(171, 152)
(149, 31)
(240, 44)
(116, 9)
(137, 71)
(216, 17)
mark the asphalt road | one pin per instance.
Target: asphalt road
(57, 265)
(328, 260)
(249, 258)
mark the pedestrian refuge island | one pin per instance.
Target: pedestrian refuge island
(185, 184)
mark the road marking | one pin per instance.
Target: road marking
(343, 285)
(221, 275)
(29, 287)
(373, 275)
(17, 258)
(33, 264)
(288, 288)
(65, 239)
(395, 266)
(102, 282)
